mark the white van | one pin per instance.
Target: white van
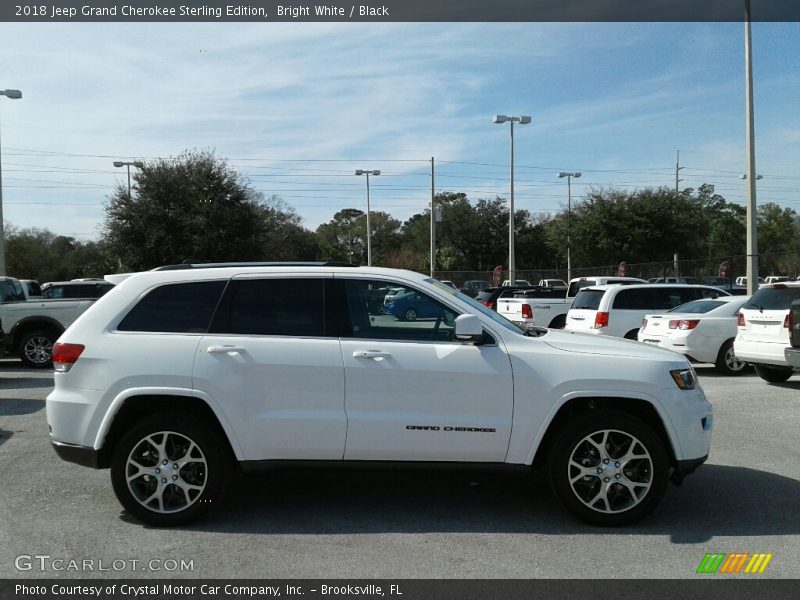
(618, 310)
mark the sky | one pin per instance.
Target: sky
(297, 107)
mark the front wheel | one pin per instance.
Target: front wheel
(773, 374)
(410, 315)
(170, 469)
(36, 349)
(609, 468)
(727, 363)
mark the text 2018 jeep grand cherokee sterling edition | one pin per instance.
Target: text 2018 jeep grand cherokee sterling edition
(177, 377)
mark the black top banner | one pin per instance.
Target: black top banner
(400, 10)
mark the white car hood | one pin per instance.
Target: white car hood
(587, 343)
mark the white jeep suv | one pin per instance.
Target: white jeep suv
(179, 376)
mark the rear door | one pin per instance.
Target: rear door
(582, 313)
(272, 365)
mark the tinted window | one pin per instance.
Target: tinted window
(11, 291)
(773, 298)
(278, 307)
(175, 308)
(637, 299)
(588, 299)
(407, 315)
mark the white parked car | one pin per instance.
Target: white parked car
(703, 330)
(180, 377)
(517, 282)
(618, 310)
(764, 325)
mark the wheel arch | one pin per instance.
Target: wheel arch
(643, 409)
(28, 324)
(134, 405)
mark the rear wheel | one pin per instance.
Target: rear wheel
(559, 322)
(727, 363)
(170, 469)
(410, 314)
(608, 468)
(633, 334)
(36, 349)
(773, 374)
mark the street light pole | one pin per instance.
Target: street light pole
(522, 120)
(13, 95)
(569, 177)
(752, 231)
(135, 163)
(369, 227)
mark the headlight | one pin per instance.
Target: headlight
(684, 378)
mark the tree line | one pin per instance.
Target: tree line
(198, 208)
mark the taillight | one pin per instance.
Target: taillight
(527, 313)
(740, 320)
(600, 320)
(644, 323)
(488, 304)
(683, 324)
(787, 322)
(65, 355)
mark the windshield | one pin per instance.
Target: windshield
(477, 306)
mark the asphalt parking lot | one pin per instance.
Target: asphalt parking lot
(410, 524)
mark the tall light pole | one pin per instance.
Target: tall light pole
(13, 95)
(522, 120)
(135, 163)
(752, 231)
(569, 177)
(369, 227)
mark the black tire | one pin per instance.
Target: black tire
(410, 315)
(727, 363)
(620, 504)
(633, 334)
(178, 506)
(773, 374)
(559, 322)
(35, 348)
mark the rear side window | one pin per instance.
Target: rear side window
(773, 298)
(637, 299)
(588, 299)
(292, 307)
(175, 308)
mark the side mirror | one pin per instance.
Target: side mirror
(468, 328)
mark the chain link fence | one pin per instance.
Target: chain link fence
(701, 270)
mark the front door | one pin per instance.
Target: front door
(413, 392)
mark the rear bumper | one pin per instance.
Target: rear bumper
(81, 455)
(792, 357)
(762, 353)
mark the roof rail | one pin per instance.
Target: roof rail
(188, 265)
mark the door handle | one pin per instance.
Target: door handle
(371, 354)
(229, 350)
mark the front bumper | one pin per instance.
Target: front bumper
(686, 467)
(81, 455)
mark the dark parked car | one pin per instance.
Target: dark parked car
(472, 287)
(75, 289)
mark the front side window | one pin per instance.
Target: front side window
(378, 310)
(175, 308)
